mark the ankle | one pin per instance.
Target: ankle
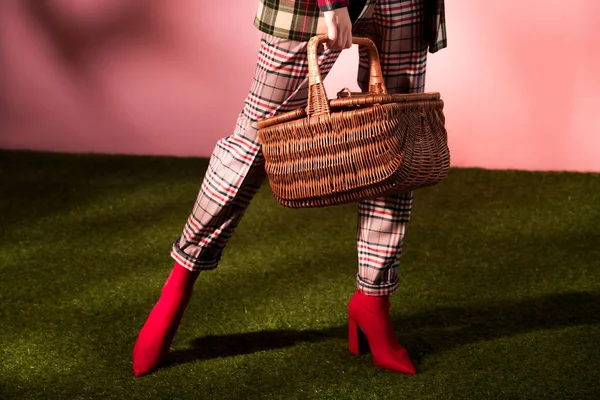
(374, 302)
(181, 278)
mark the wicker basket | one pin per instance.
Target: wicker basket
(358, 146)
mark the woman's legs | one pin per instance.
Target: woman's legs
(235, 173)
(395, 27)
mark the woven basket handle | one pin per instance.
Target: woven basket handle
(317, 97)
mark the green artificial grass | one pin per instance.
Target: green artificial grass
(500, 293)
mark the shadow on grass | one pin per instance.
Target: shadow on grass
(424, 333)
(210, 347)
(70, 181)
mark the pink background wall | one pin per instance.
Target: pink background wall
(520, 78)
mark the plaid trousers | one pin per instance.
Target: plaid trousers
(280, 84)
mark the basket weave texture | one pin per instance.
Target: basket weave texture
(358, 146)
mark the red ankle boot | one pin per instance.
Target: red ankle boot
(155, 338)
(370, 326)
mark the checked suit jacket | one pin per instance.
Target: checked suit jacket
(302, 19)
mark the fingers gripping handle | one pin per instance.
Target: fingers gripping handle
(317, 97)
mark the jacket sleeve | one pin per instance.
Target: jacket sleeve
(328, 5)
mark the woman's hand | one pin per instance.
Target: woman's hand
(339, 29)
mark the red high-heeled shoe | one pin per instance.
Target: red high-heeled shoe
(155, 337)
(370, 327)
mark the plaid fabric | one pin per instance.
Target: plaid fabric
(436, 26)
(236, 168)
(396, 28)
(302, 19)
(328, 5)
